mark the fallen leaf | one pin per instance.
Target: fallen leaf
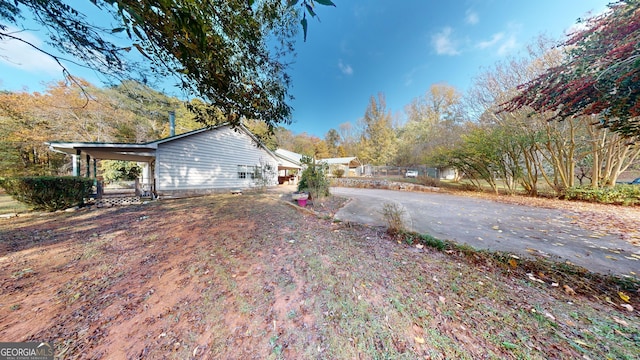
(533, 278)
(419, 246)
(580, 342)
(419, 340)
(620, 321)
(513, 263)
(568, 290)
(627, 306)
(623, 296)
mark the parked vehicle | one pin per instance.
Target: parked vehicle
(411, 174)
(633, 182)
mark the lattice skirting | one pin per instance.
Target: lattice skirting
(117, 201)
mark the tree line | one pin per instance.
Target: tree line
(441, 128)
(473, 133)
(561, 114)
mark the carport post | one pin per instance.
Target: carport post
(76, 163)
(88, 174)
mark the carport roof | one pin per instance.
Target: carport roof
(111, 151)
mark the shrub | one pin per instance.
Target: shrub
(48, 192)
(427, 180)
(338, 172)
(313, 179)
(393, 215)
(620, 194)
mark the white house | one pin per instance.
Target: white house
(201, 161)
(350, 165)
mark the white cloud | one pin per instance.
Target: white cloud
(495, 38)
(345, 68)
(508, 45)
(20, 55)
(444, 43)
(471, 17)
(504, 42)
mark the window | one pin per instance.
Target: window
(249, 172)
(242, 171)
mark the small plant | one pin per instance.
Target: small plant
(393, 215)
(339, 173)
(264, 175)
(427, 180)
(313, 179)
(469, 187)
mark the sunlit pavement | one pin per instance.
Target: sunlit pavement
(485, 224)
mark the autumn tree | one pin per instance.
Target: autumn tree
(535, 149)
(377, 145)
(63, 113)
(348, 139)
(22, 136)
(600, 74)
(432, 121)
(332, 140)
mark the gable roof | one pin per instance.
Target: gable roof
(143, 152)
(288, 159)
(349, 161)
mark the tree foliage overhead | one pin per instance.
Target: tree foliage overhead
(230, 53)
(600, 75)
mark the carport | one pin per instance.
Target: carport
(91, 152)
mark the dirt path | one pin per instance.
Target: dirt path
(248, 277)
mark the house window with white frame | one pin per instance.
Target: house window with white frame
(249, 172)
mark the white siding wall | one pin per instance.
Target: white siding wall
(209, 160)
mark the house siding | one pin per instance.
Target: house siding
(209, 160)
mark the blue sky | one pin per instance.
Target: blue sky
(364, 47)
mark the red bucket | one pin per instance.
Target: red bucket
(302, 202)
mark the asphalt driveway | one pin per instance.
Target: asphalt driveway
(485, 224)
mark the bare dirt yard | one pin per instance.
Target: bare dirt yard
(251, 277)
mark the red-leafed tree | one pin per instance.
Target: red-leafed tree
(600, 75)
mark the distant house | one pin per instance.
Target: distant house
(351, 165)
(201, 161)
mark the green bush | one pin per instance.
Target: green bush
(313, 179)
(620, 194)
(48, 192)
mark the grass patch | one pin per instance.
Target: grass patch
(571, 278)
(8, 205)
